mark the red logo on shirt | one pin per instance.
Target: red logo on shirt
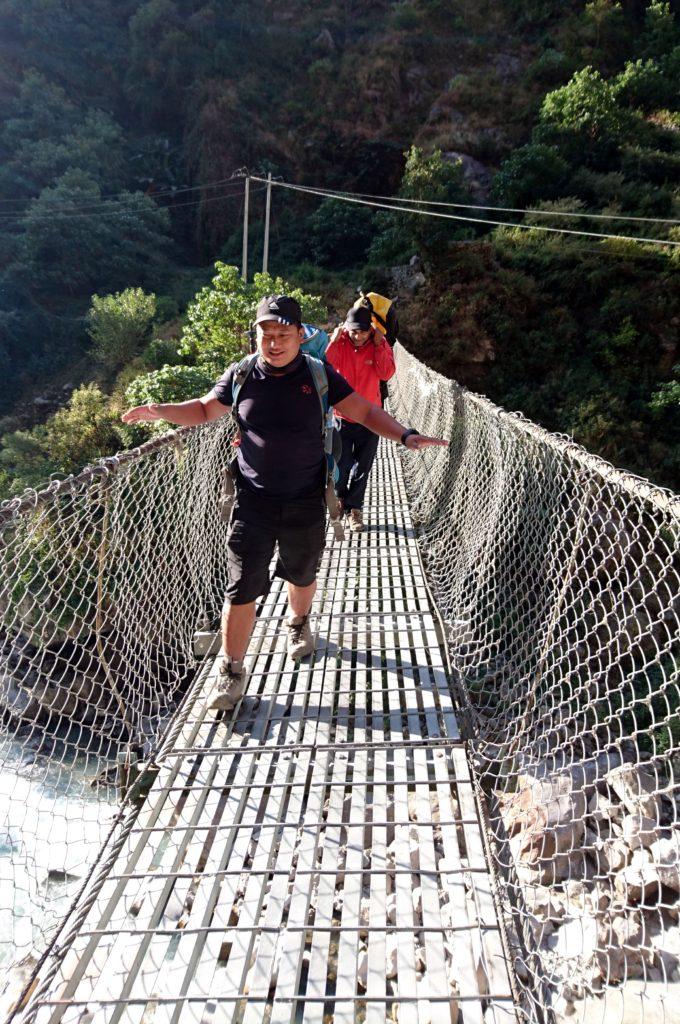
(306, 389)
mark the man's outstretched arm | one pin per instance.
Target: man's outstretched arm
(184, 414)
(380, 422)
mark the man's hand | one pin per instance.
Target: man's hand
(417, 441)
(142, 414)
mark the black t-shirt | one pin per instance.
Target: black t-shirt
(281, 452)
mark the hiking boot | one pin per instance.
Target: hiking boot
(227, 690)
(356, 520)
(300, 639)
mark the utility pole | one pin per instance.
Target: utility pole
(244, 260)
(265, 251)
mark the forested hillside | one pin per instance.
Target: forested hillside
(123, 123)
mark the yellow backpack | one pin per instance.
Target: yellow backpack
(383, 313)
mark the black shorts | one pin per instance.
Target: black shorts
(256, 526)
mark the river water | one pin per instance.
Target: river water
(52, 825)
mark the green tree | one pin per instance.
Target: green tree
(120, 325)
(162, 54)
(49, 134)
(666, 399)
(650, 83)
(661, 30)
(532, 173)
(24, 461)
(169, 384)
(85, 430)
(430, 179)
(75, 242)
(340, 233)
(217, 321)
(584, 118)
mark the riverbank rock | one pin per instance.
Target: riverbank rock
(408, 278)
(665, 856)
(596, 850)
(638, 790)
(477, 177)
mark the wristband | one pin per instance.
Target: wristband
(407, 434)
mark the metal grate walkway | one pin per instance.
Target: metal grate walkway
(318, 857)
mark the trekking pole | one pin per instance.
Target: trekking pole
(265, 251)
(244, 260)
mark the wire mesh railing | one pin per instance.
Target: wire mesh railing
(104, 578)
(557, 578)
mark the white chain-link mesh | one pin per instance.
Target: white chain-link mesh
(557, 578)
(557, 581)
(103, 580)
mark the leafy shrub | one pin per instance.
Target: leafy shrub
(430, 178)
(167, 308)
(87, 429)
(533, 172)
(119, 325)
(161, 352)
(585, 116)
(218, 320)
(404, 16)
(551, 67)
(24, 461)
(170, 384)
(666, 399)
(83, 431)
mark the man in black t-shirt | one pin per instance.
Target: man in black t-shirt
(280, 479)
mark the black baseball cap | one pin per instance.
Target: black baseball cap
(359, 319)
(280, 308)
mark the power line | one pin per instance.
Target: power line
(350, 198)
(78, 214)
(119, 196)
(95, 208)
(499, 209)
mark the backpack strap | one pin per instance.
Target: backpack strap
(320, 377)
(381, 320)
(238, 380)
(317, 368)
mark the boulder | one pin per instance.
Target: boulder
(576, 939)
(665, 943)
(603, 812)
(362, 969)
(616, 855)
(621, 941)
(476, 176)
(665, 856)
(408, 278)
(639, 831)
(364, 914)
(391, 958)
(639, 881)
(391, 909)
(545, 903)
(540, 808)
(638, 790)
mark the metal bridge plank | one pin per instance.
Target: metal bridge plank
(212, 904)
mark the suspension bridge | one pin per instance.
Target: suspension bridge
(464, 808)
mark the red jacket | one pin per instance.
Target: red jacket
(363, 367)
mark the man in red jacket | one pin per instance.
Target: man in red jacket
(364, 358)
